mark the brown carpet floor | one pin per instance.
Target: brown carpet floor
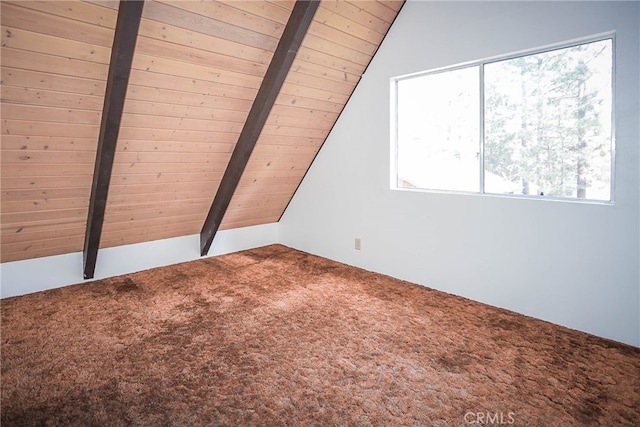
(278, 337)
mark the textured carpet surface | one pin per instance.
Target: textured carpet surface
(274, 336)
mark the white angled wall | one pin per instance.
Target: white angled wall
(569, 263)
(38, 274)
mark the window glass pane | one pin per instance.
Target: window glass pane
(548, 123)
(438, 120)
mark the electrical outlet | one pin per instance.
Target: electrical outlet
(358, 244)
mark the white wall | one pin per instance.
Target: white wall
(569, 263)
(38, 274)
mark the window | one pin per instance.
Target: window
(529, 125)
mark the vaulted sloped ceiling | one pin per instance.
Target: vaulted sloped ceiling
(196, 70)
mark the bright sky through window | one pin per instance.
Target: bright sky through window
(438, 125)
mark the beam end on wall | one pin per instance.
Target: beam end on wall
(292, 36)
(124, 43)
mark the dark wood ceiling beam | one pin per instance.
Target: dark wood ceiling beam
(124, 44)
(294, 32)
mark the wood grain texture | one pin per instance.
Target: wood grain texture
(196, 72)
(295, 30)
(54, 69)
(333, 56)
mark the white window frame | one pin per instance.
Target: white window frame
(480, 64)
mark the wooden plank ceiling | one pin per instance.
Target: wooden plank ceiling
(196, 70)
